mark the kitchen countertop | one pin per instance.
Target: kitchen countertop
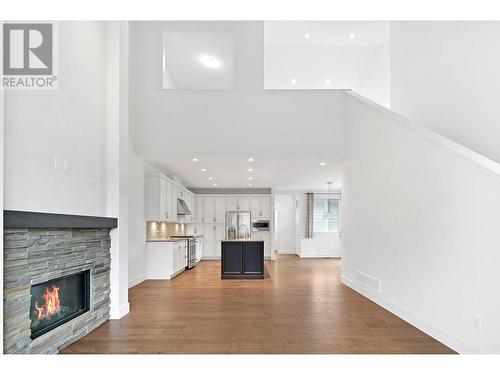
(251, 239)
(173, 239)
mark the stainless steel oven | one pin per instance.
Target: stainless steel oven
(260, 225)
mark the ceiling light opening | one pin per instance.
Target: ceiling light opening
(322, 163)
(352, 36)
(203, 169)
(210, 61)
(250, 159)
(307, 35)
(195, 160)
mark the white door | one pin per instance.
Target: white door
(297, 224)
(231, 203)
(265, 207)
(243, 204)
(220, 210)
(209, 207)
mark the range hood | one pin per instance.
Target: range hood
(182, 207)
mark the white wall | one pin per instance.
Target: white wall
(445, 75)
(66, 123)
(376, 83)
(137, 222)
(285, 224)
(421, 214)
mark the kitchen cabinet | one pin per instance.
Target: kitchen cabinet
(200, 209)
(237, 204)
(243, 204)
(260, 207)
(231, 203)
(214, 209)
(242, 260)
(209, 209)
(213, 234)
(165, 260)
(159, 193)
(220, 210)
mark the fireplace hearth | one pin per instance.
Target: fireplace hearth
(58, 301)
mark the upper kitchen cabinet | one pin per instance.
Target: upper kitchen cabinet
(237, 204)
(231, 203)
(214, 209)
(260, 207)
(159, 202)
(220, 210)
(243, 204)
(200, 210)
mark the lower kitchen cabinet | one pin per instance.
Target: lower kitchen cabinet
(165, 260)
(242, 260)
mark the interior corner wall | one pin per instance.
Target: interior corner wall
(376, 84)
(55, 156)
(446, 76)
(421, 215)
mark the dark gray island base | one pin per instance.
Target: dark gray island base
(242, 259)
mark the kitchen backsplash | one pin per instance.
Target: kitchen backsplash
(156, 230)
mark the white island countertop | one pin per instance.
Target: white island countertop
(249, 239)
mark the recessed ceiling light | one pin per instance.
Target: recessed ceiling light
(328, 81)
(210, 61)
(203, 169)
(352, 36)
(215, 184)
(195, 160)
(307, 35)
(249, 184)
(250, 159)
(250, 170)
(250, 178)
(322, 163)
(293, 81)
(210, 178)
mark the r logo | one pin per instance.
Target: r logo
(28, 49)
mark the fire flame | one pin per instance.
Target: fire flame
(52, 304)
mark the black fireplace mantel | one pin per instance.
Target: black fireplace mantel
(26, 219)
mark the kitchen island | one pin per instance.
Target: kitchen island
(242, 258)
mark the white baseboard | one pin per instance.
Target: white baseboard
(442, 336)
(118, 312)
(136, 280)
(320, 256)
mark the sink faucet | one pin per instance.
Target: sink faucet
(246, 230)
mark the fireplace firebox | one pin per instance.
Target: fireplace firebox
(57, 301)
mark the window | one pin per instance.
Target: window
(326, 214)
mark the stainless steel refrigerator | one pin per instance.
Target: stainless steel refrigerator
(238, 224)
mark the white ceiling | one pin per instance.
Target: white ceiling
(326, 33)
(182, 68)
(288, 133)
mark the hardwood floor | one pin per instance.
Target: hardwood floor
(300, 307)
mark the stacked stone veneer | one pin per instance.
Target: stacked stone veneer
(32, 256)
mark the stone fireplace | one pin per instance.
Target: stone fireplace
(56, 279)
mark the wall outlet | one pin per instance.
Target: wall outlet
(478, 322)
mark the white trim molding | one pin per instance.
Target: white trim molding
(437, 333)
